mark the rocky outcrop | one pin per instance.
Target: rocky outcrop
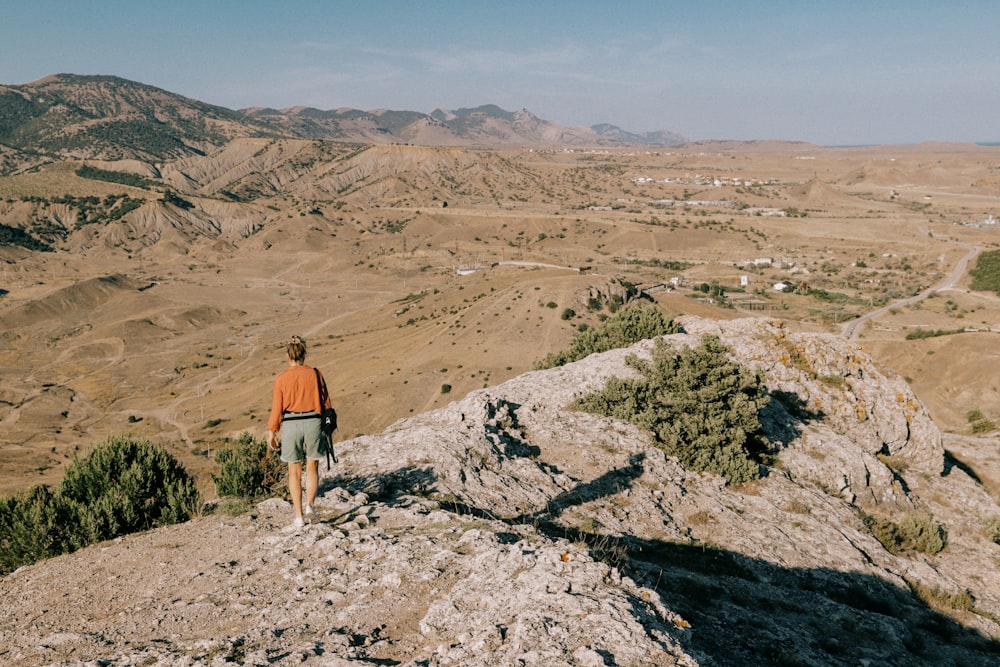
(858, 412)
(509, 529)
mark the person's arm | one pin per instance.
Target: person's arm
(274, 421)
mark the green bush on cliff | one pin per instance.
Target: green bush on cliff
(248, 470)
(699, 406)
(625, 327)
(122, 486)
(913, 533)
(30, 528)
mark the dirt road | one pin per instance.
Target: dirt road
(850, 331)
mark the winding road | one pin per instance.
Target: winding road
(850, 331)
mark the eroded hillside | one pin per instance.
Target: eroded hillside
(417, 271)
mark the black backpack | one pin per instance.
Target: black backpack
(328, 422)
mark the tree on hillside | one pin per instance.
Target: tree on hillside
(31, 528)
(699, 406)
(625, 327)
(986, 274)
(122, 486)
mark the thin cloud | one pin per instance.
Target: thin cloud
(463, 59)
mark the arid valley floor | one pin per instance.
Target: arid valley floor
(418, 274)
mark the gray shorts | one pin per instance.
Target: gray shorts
(300, 439)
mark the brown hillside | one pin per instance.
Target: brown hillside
(358, 249)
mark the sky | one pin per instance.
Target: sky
(846, 72)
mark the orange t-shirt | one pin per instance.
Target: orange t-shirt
(295, 390)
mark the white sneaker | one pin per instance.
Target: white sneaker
(310, 513)
(298, 523)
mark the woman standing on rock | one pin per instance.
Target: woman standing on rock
(296, 410)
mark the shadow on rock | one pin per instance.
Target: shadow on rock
(781, 417)
(746, 611)
(388, 488)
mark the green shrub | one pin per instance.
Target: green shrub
(978, 422)
(249, 470)
(940, 599)
(16, 236)
(918, 334)
(983, 426)
(914, 532)
(699, 405)
(30, 529)
(625, 327)
(170, 197)
(832, 380)
(991, 525)
(123, 486)
(986, 274)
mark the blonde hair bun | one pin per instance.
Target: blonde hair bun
(296, 349)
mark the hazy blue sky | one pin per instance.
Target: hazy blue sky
(843, 72)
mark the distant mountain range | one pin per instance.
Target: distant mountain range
(110, 118)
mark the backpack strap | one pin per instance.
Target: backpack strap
(323, 397)
(321, 388)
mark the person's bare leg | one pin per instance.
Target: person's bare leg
(295, 487)
(312, 481)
